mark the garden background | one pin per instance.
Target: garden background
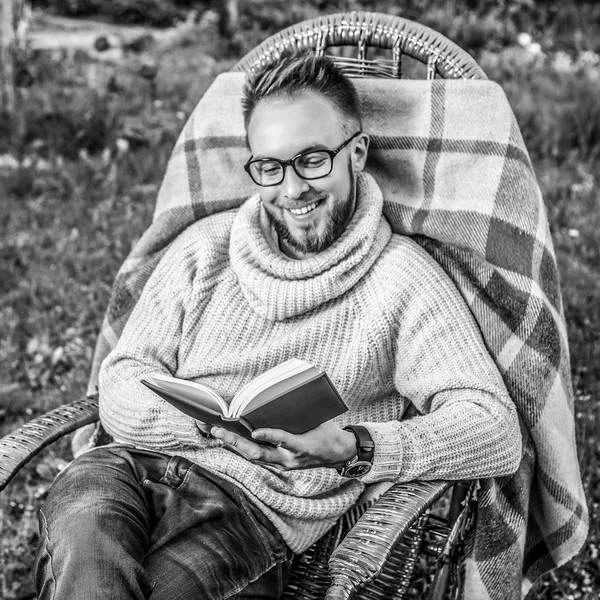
(83, 153)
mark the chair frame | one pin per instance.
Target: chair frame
(374, 549)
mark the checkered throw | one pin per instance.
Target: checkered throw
(457, 178)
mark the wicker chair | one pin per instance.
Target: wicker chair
(374, 551)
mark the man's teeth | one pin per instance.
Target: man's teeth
(304, 209)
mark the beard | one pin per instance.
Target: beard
(312, 241)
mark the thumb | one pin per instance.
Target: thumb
(203, 427)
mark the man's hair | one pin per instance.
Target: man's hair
(298, 72)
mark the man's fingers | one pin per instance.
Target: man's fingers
(276, 437)
(225, 436)
(275, 455)
(236, 442)
(248, 449)
(323, 446)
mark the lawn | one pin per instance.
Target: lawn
(81, 166)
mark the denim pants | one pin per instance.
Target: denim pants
(129, 523)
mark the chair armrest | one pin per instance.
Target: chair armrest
(17, 448)
(361, 555)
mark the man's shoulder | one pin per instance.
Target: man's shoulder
(403, 250)
(202, 247)
(405, 266)
(208, 234)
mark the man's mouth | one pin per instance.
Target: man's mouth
(304, 209)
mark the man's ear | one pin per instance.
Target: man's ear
(360, 152)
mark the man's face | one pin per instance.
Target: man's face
(308, 215)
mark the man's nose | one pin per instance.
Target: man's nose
(293, 186)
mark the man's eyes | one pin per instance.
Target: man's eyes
(312, 161)
(270, 168)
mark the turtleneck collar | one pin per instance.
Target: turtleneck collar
(279, 288)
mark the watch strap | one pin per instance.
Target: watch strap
(365, 446)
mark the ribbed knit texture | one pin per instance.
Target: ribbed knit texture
(373, 310)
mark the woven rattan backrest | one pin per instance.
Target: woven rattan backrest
(364, 30)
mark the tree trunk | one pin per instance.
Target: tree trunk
(229, 21)
(7, 53)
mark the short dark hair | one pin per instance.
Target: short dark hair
(298, 72)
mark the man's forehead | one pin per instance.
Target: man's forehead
(282, 127)
(291, 101)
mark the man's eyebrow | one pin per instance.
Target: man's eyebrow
(303, 151)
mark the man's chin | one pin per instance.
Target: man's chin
(306, 238)
(304, 243)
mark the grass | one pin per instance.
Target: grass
(92, 145)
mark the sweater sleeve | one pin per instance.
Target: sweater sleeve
(149, 344)
(467, 427)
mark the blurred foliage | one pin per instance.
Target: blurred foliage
(473, 24)
(158, 13)
(554, 98)
(554, 91)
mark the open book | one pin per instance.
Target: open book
(294, 396)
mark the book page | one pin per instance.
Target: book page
(189, 407)
(196, 392)
(279, 373)
(263, 381)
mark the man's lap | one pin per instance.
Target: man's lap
(137, 521)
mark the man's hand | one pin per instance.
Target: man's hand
(325, 446)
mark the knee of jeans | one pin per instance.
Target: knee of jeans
(89, 490)
(80, 476)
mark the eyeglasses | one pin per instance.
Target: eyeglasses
(313, 164)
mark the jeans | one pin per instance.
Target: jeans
(129, 523)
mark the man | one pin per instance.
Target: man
(307, 268)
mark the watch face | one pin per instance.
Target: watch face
(358, 469)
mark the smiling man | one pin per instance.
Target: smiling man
(308, 268)
(310, 197)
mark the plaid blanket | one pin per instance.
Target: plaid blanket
(456, 177)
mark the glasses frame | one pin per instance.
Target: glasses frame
(291, 162)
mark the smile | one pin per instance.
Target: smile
(305, 209)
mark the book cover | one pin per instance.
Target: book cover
(294, 396)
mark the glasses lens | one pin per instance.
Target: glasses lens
(266, 172)
(313, 165)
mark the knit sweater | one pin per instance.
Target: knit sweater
(373, 310)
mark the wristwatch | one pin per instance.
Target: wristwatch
(361, 464)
